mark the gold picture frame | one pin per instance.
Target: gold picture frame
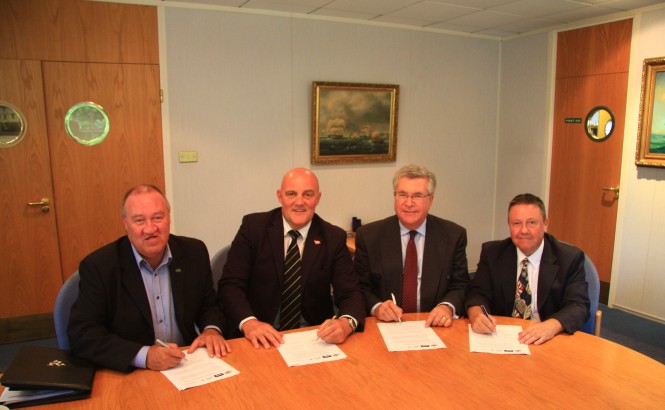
(354, 122)
(651, 128)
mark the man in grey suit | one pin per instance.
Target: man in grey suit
(529, 275)
(440, 276)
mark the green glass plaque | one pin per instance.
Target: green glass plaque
(87, 123)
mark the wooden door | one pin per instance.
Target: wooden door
(592, 70)
(29, 254)
(90, 181)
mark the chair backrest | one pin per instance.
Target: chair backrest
(217, 264)
(594, 294)
(63, 305)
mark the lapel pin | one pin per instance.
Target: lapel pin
(178, 270)
(317, 242)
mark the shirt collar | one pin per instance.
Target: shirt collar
(166, 259)
(535, 257)
(421, 229)
(303, 231)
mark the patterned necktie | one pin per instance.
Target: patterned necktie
(291, 288)
(409, 298)
(523, 293)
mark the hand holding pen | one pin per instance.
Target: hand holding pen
(162, 356)
(388, 311)
(492, 321)
(324, 326)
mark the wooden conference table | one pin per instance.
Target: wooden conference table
(575, 371)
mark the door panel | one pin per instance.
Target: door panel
(30, 263)
(581, 212)
(90, 181)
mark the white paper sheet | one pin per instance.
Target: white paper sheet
(302, 348)
(198, 369)
(504, 341)
(412, 335)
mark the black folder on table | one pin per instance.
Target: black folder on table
(41, 375)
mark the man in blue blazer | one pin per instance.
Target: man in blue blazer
(250, 289)
(145, 286)
(558, 296)
(381, 252)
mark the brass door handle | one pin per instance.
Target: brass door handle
(43, 203)
(614, 189)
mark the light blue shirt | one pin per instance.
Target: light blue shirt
(419, 240)
(157, 285)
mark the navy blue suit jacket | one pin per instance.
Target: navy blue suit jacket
(252, 279)
(562, 287)
(111, 319)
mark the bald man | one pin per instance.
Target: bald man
(252, 288)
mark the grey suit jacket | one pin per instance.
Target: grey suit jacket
(562, 287)
(445, 275)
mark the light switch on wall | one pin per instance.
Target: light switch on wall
(188, 156)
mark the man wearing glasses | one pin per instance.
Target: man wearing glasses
(412, 261)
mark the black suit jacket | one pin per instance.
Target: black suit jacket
(252, 279)
(111, 319)
(562, 287)
(379, 264)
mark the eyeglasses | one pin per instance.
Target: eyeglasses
(417, 197)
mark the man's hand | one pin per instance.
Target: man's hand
(337, 332)
(441, 315)
(479, 322)
(388, 311)
(540, 333)
(213, 341)
(161, 358)
(261, 333)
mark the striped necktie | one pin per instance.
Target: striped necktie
(292, 287)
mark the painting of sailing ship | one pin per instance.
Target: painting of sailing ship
(354, 123)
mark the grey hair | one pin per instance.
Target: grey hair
(413, 171)
(142, 189)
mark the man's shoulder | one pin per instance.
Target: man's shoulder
(327, 227)
(110, 251)
(435, 222)
(497, 246)
(261, 218)
(562, 249)
(379, 226)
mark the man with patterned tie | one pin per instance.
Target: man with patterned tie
(529, 275)
(413, 261)
(281, 269)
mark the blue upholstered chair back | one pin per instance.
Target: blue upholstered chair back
(63, 305)
(217, 264)
(594, 295)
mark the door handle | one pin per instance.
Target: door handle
(43, 203)
(614, 189)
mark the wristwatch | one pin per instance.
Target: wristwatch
(352, 323)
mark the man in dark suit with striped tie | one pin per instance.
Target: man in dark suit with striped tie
(281, 269)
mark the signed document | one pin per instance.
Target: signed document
(504, 341)
(411, 335)
(302, 348)
(198, 369)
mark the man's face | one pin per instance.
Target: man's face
(147, 222)
(527, 227)
(299, 196)
(412, 201)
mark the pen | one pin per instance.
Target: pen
(162, 344)
(332, 319)
(395, 302)
(487, 315)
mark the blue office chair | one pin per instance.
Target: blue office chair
(63, 305)
(217, 264)
(592, 326)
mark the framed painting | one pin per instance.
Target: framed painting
(651, 129)
(354, 123)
